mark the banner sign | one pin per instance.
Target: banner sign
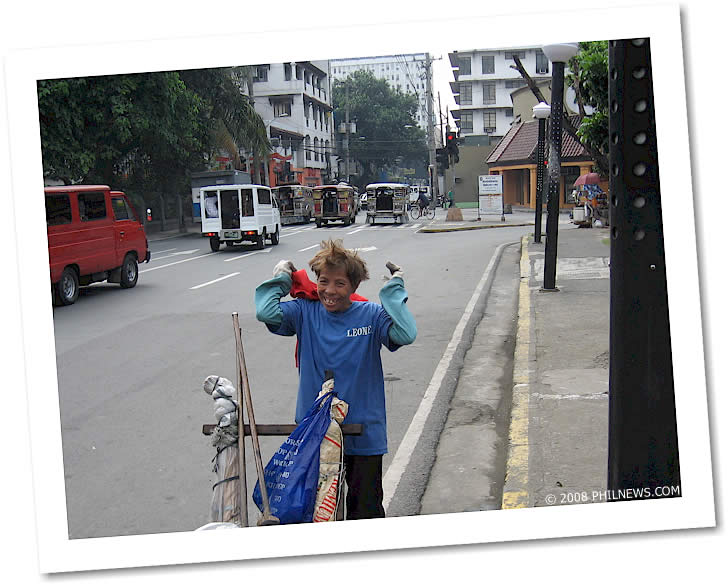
(490, 184)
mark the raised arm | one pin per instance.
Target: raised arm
(268, 294)
(393, 296)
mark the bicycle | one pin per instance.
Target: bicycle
(416, 212)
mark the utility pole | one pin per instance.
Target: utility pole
(346, 137)
(430, 126)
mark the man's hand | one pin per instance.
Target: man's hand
(394, 270)
(284, 266)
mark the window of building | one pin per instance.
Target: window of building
(489, 92)
(261, 73)
(466, 122)
(488, 64)
(509, 112)
(520, 54)
(464, 66)
(307, 147)
(281, 109)
(514, 83)
(489, 121)
(287, 71)
(315, 149)
(299, 72)
(466, 93)
(542, 62)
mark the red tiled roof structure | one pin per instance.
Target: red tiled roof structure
(520, 142)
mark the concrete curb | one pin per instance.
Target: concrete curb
(515, 489)
(428, 230)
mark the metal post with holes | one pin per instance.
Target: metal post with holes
(559, 55)
(541, 112)
(643, 447)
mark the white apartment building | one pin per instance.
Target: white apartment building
(294, 101)
(403, 72)
(484, 80)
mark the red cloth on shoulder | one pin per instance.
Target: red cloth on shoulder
(304, 288)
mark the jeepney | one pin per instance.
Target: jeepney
(295, 203)
(334, 203)
(387, 200)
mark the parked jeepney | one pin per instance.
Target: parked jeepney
(387, 200)
(334, 203)
(295, 203)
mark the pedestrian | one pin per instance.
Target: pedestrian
(450, 199)
(423, 200)
(344, 336)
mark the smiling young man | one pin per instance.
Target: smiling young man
(345, 336)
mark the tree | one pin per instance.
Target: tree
(385, 118)
(588, 77)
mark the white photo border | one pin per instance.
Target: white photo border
(694, 509)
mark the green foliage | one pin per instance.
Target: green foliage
(589, 75)
(384, 117)
(143, 133)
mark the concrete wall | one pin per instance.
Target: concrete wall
(472, 164)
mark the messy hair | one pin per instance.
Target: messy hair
(333, 255)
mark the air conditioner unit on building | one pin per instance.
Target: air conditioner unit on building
(489, 130)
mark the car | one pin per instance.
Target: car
(94, 235)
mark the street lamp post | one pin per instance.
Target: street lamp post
(541, 112)
(558, 54)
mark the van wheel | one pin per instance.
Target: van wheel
(129, 272)
(260, 241)
(275, 238)
(214, 243)
(67, 287)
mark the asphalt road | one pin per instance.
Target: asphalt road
(131, 365)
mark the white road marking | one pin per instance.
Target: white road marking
(356, 231)
(183, 253)
(163, 251)
(369, 249)
(178, 262)
(214, 281)
(412, 436)
(309, 248)
(266, 251)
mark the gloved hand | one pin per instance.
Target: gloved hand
(394, 271)
(284, 266)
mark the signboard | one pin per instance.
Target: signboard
(490, 184)
(490, 204)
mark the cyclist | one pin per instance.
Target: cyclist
(423, 201)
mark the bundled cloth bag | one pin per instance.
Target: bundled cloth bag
(292, 476)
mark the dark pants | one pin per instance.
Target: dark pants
(364, 486)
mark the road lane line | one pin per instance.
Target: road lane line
(266, 251)
(163, 251)
(182, 253)
(356, 231)
(214, 281)
(309, 248)
(409, 442)
(178, 262)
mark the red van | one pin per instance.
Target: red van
(94, 234)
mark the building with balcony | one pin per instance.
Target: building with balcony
(294, 101)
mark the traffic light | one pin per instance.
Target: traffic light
(451, 144)
(443, 159)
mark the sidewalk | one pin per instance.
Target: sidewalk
(556, 403)
(472, 221)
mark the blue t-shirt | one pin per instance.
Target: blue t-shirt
(349, 344)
